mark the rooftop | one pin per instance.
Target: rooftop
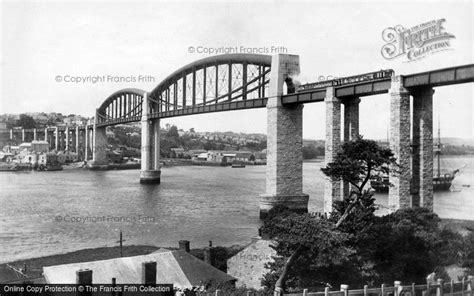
(179, 268)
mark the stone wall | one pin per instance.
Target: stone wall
(248, 265)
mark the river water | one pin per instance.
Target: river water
(44, 213)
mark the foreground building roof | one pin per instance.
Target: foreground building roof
(179, 268)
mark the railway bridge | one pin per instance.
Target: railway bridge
(246, 81)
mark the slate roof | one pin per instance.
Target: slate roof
(178, 267)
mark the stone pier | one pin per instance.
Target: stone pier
(332, 189)
(67, 143)
(422, 161)
(77, 142)
(284, 170)
(56, 138)
(150, 172)
(99, 147)
(399, 194)
(351, 129)
(87, 141)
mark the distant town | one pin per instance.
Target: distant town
(23, 151)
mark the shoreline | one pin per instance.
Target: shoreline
(172, 162)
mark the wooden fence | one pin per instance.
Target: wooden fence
(463, 288)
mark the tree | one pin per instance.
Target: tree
(305, 240)
(468, 260)
(300, 235)
(354, 246)
(26, 121)
(358, 162)
(309, 152)
(173, 133)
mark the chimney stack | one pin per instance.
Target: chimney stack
(184, 245)
(149, 273)
(209, 255)
(84, 277)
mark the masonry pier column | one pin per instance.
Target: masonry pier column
(399, 193)
(56, 138)
(72, 140)
(35, 135)
(284, 170)
(11, 134)
(332, 189)
(156, 146)
(86, 143)
(23, 135)
(48, 138)
(66, 134)
(150, 172)
(351, 129)
(422, 161)
(99, 147)
(78, 137)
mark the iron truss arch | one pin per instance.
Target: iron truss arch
(122, 106)
(217, 83)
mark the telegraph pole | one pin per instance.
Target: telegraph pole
(121, 241)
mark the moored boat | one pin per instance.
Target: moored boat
(239, 164)
(50, 167)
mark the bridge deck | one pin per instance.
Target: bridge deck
(441, 77)
(434, 78)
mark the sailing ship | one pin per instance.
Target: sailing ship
(441, 181)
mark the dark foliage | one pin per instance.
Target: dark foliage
(354, 246)
(26, 121)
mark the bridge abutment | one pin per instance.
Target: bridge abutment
(150, 172)
(399, 194)
(284, 170)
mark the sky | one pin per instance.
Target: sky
(42, 41)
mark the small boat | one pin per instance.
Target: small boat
(14, 167)
(50, 167)
(238, 165)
